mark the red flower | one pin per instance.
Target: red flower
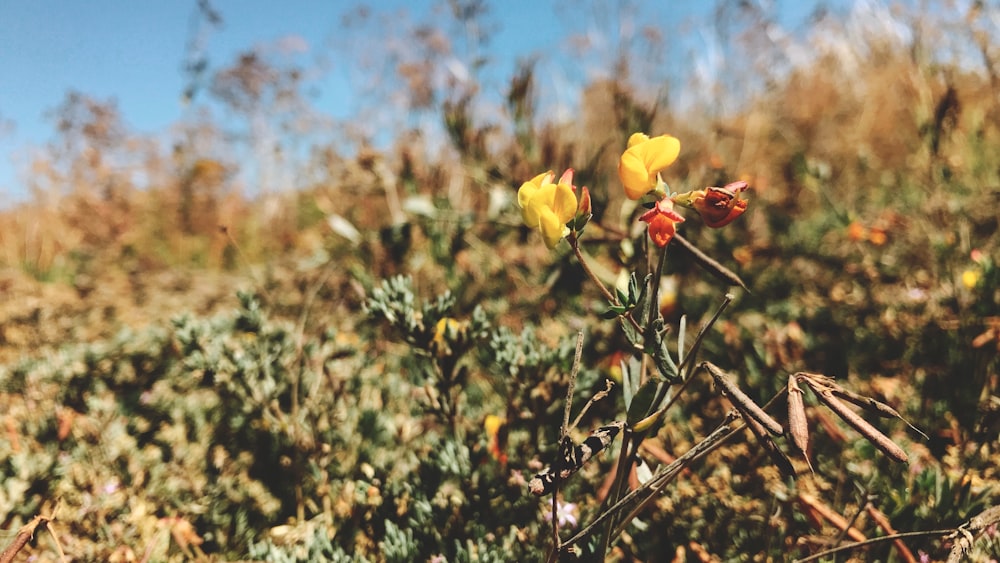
(662, 220)
(720, 206)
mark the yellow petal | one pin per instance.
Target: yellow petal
(564, 203)
(637, 138)
(634, 175)
(659, 153)
(529, 213)
(553, 230)
(529, 188)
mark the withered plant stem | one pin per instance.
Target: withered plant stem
(881, 539)
(662, 476)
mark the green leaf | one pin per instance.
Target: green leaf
(612, 312)
(622, 298)
(664, 362)
(642, 402)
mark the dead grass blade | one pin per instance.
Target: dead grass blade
(873, 406)
(778, 456)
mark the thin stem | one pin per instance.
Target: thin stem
(624, 467)
(872, 541)
(663, 474)
(654, 300)
(711, 442)
(574, 243)
(693, 353)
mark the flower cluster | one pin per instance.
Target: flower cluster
(555, 210)
(549, 207)
(639, 169)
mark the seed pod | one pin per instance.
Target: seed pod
(571, 458)
(710, 265)
(873, 406)
(798, 426)
(777, 456)
(880, 440)
(741, 401)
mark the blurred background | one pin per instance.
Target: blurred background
(155, 158)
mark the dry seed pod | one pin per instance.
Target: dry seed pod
(880, 440)
(778, 456)
(711, 266)
(741, 401)
(873, 406)
(798, 426)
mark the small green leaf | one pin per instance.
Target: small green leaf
(622, 298)
(642, 402)
(613, 312)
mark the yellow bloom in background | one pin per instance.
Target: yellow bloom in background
(548, 206)
(970, 278)
(644, 159)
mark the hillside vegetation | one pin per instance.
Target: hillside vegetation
(315, 344)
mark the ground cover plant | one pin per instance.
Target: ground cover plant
(762, 333)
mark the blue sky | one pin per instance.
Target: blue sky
(134, 52)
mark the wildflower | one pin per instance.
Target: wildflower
(662, 220)
(565, 513)
(970, 278)
(547, 206)
(644, 159)
(877, 236)
(856, 231)
(496, 430)
(717, 206)
(447, 331)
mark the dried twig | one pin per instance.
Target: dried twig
(25, 534)
(883, 522)
(830, 516)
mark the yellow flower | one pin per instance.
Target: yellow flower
(644, 159)
(447, 331)
(970, 278)
(496, 430)
(548, 206)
